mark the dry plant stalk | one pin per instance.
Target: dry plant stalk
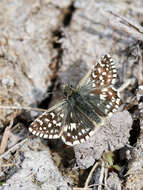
(82, 188)
(6, 135)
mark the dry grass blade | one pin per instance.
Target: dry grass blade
(127, 23)
(6, 134)
(22, 108)
(90, 175)
(76, 188)
(15, 147)
(101, 175)
(140, 70)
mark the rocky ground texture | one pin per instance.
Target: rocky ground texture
(44, 44)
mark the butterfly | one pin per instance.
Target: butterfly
(83, 108)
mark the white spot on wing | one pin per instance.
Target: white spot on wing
(65, 128)
(82, 140)
(45, 136)
(91, 133)
(50, 136)
(83, 131)
(93, 85)
(59, 124)
(114, 75)
(52, 114)
(99, 69)
(30, 129)
(41, 135)
(34, 132)
(73, 126)
(51, 131)
(55, 136)
(54, 121)
(47, 120)
(104, 73)
(37, 134)
(76, 142)
(86, 137)
(68, 143)
(94, 75)
(62, 115)
(49, 124)
(68, 134)
(108, 106)
(100, 77)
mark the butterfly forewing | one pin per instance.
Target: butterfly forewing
(49, 124)
(102, 93)
(104, 73)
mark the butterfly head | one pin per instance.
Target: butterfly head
(67, 90)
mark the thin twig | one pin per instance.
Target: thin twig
(30, 108)
(140, 70)
(126, 84)
(81, 188)
(128, 23)
(22, 108)
(13, 148)
(101, 175)
(105, 177)
(94, 185)
(90, 174)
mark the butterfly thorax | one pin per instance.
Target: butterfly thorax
(74, 97)
(70, 93)
(77, 102)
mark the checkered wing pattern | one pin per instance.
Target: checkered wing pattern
(49, 124)
(101, 81)
(78, 129)
(104, 73)
(75, 133)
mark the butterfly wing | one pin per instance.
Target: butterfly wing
(102, 74)
(98, 87)
(78, 128)
(49, 124)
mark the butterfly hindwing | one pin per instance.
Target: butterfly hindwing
(77, 129)
(107, 99)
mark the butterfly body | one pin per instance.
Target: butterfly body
(77, 103)
(83, 109)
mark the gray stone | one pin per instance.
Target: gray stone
(114, 134)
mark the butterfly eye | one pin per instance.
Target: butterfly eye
(66, 89)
